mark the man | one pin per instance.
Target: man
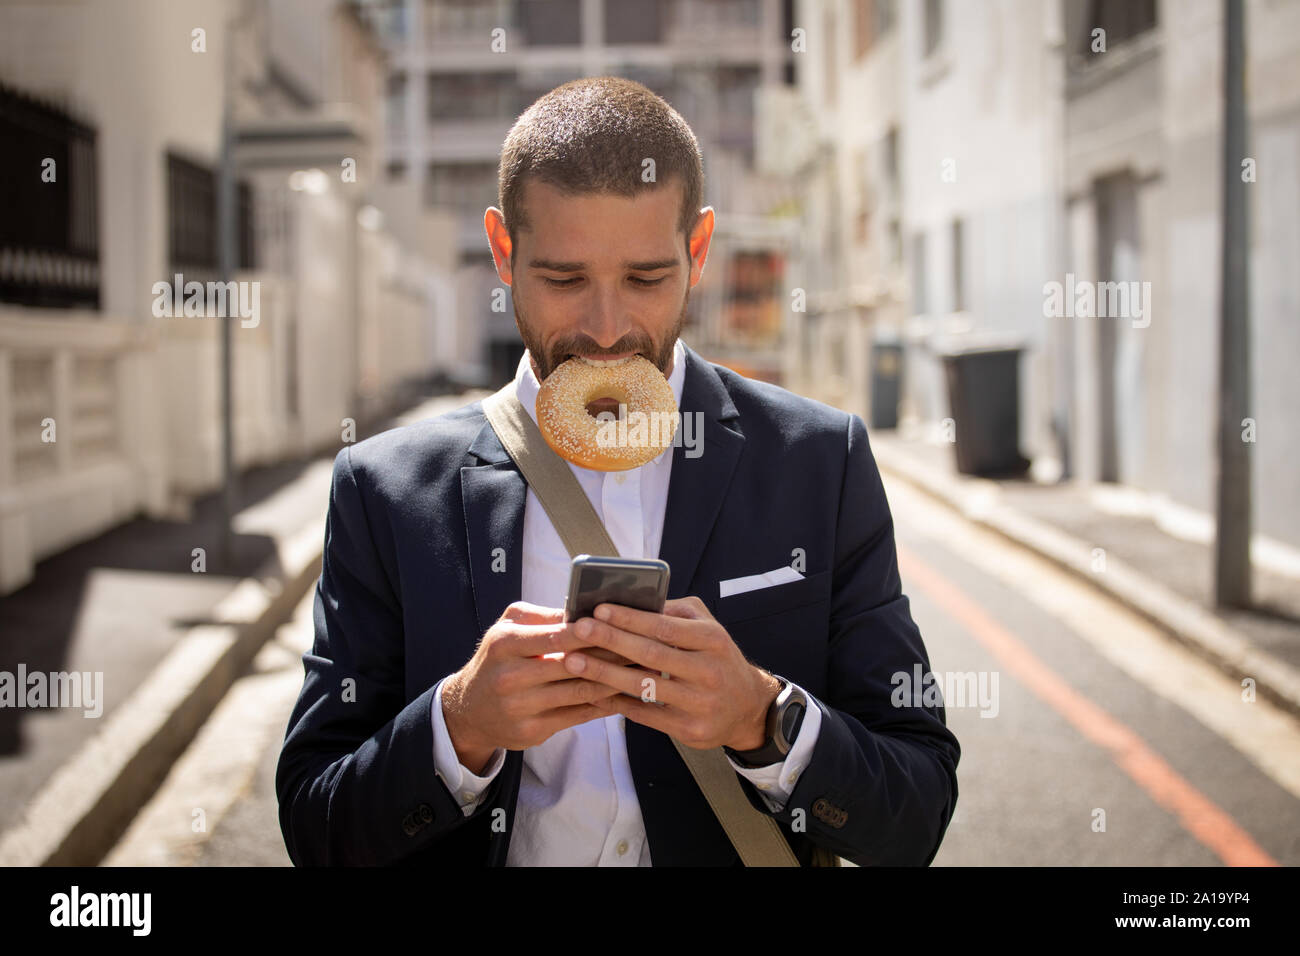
(449, 715)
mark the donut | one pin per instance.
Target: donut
(577, 436)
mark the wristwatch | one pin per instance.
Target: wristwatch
(784, 717)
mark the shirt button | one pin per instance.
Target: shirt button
(622, 847)
(467, 796)
(620, 478)
(792, 778)
(762, 786)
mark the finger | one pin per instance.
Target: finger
(675, 631)
(563, 693)
(689, 607)
(521, 675)
(525, 612)
(606, 655)
(648, 652)
(561, 718)
(534, 640)
(668, 720)
(643, 684)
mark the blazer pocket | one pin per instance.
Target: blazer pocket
(776, 599)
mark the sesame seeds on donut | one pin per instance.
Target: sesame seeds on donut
(572, 432)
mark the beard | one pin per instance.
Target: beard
(547, 361)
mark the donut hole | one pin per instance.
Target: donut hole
(607, 399)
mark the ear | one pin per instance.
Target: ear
(494, 223)
(698, 243)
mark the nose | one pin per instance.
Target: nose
(607, 322)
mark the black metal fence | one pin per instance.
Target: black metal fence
(49, 205)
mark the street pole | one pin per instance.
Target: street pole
(227, 264)
(1233, 520)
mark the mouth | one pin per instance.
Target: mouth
(606, 361)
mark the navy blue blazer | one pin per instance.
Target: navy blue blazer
(408, 587)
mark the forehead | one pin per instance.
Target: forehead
(601, 226)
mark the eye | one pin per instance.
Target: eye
(639, 281)
(561, 283)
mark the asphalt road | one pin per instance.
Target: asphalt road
(1088, 738)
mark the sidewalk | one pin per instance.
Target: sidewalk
(167, 639)
(1108, 536)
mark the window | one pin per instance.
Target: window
(1120, 19)
(932, 26)
(862, 175)
(864, 26)
(192, 238)
(829, 38)
(469, 96)
(891, 156)
(958, 259)
(872, 19)
(49, 231)
(634, 21)
(550, 22)
(396, 103)
(884, 10)
(467, 188)
(736, 86)
(920, 306)
(386, 17)
(465, 21)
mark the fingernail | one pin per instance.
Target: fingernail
(575, 663)
(602, 612)
(583, 628)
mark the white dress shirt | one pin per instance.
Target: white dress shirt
(577, 803)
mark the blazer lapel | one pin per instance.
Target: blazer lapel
(698, 485)
(494, 494)
(681, 828)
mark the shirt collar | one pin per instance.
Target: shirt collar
(527, 387)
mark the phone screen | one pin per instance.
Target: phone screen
(632, 582)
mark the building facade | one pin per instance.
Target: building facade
(109, 395)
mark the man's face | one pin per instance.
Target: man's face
(600, 275)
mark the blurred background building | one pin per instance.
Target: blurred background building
(903, 173)
(967, 154)
(127, 99)
(461, 72)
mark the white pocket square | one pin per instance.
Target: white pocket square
(782, 575)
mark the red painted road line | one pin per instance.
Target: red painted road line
(1197, 814)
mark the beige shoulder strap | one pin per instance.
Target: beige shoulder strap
(756, 836)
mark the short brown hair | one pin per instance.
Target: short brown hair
(593, 135)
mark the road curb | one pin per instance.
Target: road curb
(977, 500)
(85, 807)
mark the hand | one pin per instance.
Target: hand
(712, 697)
(515, 692)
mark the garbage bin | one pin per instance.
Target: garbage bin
(984, 396)
(886, 381)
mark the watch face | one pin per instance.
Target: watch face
(791, 720)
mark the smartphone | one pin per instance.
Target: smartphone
(635, 582)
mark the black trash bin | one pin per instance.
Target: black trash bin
(984, 396)
(886, 382)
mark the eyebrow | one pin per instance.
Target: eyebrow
(649, 265)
